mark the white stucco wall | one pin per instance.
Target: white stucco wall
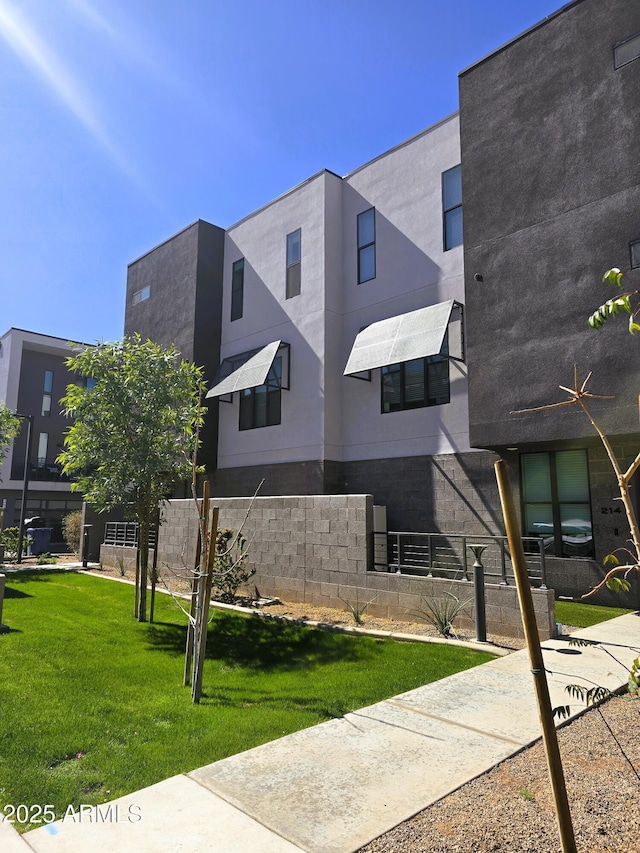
(412, 271)
(326, 415)
(269, 316)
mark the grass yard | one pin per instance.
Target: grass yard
(585, 615)
(93, 705)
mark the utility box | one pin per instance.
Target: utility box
(380, 552)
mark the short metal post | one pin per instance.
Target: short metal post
(85, 544)
(503, 564)
(543, 565)
(465, 565)
(478, 593)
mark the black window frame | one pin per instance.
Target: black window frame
(448, 210)
(618, 65)
(431, 365)
(634, 254)
(559, 549)
(250, 414)
(47, 395)
(237, 289)
(364, 246)
(294, 267)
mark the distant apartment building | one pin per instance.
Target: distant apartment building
(33, 378)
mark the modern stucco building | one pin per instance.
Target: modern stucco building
(293, 285)
(33, 378)
(543, 159)
(551, 185)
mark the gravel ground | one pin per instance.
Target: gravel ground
(510, 808)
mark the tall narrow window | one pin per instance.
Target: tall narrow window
(452, 207)
(366, 245)
(260, 406)
(556, 502)
(634, 251)
(43, 446)
(294, 254)
(417, 383)
(47, 392)
(237, 289)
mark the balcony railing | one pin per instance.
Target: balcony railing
(447, 555)
(125, 534)
(44, 471)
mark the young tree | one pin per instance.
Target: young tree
(9, 428)
(135, 430)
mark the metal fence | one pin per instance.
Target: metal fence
(125, 534)
(448, 555)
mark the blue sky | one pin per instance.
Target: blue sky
(123, 121)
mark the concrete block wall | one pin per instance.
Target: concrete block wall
(318, 549)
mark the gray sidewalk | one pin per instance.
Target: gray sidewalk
(334, 787)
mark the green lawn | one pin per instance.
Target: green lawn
(585, 615)
(92, 702)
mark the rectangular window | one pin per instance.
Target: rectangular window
(417, 383)
(48, 389)
(141, 295)
(626, 51)
(366, 245)
(237, 289)
(452, 207)
(294, 255)
(260, 406)
(634, 252)
(556, 503)
(43, 446)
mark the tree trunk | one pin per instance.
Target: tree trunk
(143, 544)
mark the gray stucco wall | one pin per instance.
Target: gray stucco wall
(184, 275)
(551, 189)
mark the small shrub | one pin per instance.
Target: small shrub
(441, 612)
(122, 565)
(47, 559)
(72, 530)
(526, 794)
(358, 610)
(9, 538)
(230, 568)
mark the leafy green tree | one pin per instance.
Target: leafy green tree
(621, 303)
(135, 430)
(9, 428)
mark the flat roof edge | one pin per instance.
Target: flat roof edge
(519, 37)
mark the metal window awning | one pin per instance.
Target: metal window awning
(246, 370)
(417, 334)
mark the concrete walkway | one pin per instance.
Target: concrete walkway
(336, 786)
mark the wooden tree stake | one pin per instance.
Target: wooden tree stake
(549, 735)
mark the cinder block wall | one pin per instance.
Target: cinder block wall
(318, 549)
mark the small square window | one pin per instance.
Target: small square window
(626, 51)
(141, 295)
(634, 251)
